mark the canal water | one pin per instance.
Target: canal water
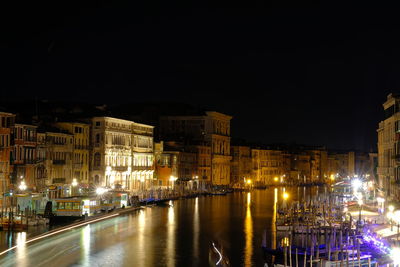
(177, 235)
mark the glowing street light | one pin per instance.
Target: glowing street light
(276, 179)
(285, 196)
(22, 186)
(74, 182)
(356, 184)
(248, 181)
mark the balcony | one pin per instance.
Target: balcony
(120, 168)
(59, 161)
(142, 168)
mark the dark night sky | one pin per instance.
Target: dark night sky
(309, 76)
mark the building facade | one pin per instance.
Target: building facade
(210, 129)
(389, 149)
(267, 166)
(58, 163)
(24, 155)
(6, 126)
(81, 151)
(241, 165)
(122, 154)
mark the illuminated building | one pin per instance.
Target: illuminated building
(389, 148)
(6, 125)
(80, 163)
(58, 162)
(267, 164)
(211, 129)
(23, 159)
(142, 156)
(241, 164)
(122, 154)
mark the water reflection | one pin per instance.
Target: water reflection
(170, 249)
(248, 230)
(141, 237)
(21, 249)
(85, 244)
(196, 229)
(273, 232)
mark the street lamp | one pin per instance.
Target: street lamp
(285, 196)
(22, 186)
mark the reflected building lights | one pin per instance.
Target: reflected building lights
(273, 230)
(21, 249)
(248, 230)
(141, 237)
(85, 244)
(170, 249)
(196, 229)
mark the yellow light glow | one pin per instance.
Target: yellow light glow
(248, 181)
(332, 177)
(285, 196)
(276, 179)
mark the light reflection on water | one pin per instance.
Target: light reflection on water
(248, 230)
(172, 235)
(85, 244)
(170, 249)
(21, 249)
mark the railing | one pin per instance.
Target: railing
(120, 168)
(142, 168)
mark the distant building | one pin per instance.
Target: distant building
(210, 129)
(241, 165)
(267, 166)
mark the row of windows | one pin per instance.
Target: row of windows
(4, 140)
(6, 122)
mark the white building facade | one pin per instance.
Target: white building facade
(122, 154)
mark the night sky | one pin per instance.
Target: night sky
(286, 75)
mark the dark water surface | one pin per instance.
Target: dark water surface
(178, 235)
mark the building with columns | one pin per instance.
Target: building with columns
(142, 156)
(122, 154)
